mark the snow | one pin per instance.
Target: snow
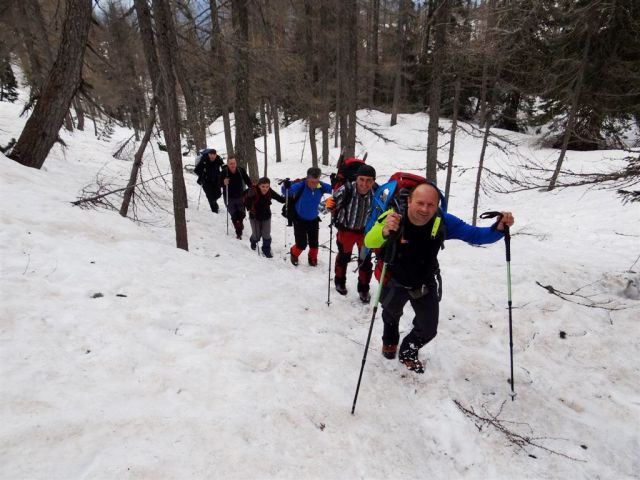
(219, 363)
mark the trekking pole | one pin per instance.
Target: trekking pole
(286, 206)
(507, 243)
(226, 194)
(388, 259)
(329, 274)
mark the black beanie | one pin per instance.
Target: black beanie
(366, 171)
(314, 172)
(264, 180)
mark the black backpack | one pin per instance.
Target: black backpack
(289, 207)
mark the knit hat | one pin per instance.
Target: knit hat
(366, 171)
(264, 180)
(314, 172)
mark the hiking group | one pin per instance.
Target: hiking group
(404, 221)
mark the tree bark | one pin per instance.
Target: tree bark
(41, 130)
(276, 129)
(485, 140)
(486, 53)
(195, 116)
(325, 60)
(310, 81)
(77, 104)
(245, 144)
(374, 58)
(573, 112)
(171, 124)
(352, 74)
(452, 141)
(220, 65)
(263, 121)
(400, 42)
(441, 20)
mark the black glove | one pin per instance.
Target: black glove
(287, 184)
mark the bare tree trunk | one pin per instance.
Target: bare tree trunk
(373, 52)
(92, 111)
(41, 130)
(310, 80)
(267, 108)
(276, 129)
(79, 113)
(263, 121)
(485, 140)
(68, 122)
(339, 137)
(397, 84)
(486, 48)
(313, 143)
(573, 113)
(171, 125)
(441, 20)
(137, 163)
(245, 144)
(325, 59)
(30, 22)
(352, 74)
(452, 141)
(195, 118)
(400, 42)
(219, 60)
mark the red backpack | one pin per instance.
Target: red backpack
(347, 170)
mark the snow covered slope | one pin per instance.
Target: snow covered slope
(217, 363)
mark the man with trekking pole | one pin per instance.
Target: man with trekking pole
(408, 237)
(235, 182)
(420, 228)
(351, 206)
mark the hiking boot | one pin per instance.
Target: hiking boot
(253, 244)
(266, 248)
(389, 351)
(293, 257)
(313, 256)
(239, 235)
(409, 358)
(365, 297)
(340, 286)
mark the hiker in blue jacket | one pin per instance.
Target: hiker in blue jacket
(418, 232)
(306, 196)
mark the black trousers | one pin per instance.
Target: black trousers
(306, 232)
(393, 298)
(212, 191)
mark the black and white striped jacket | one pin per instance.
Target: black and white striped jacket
(352, 208)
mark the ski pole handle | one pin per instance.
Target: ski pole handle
(507, 235)
(491, 214)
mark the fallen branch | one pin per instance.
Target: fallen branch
(517, 439)
(102, 195)
(568, 297)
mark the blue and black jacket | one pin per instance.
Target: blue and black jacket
(308, 200)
